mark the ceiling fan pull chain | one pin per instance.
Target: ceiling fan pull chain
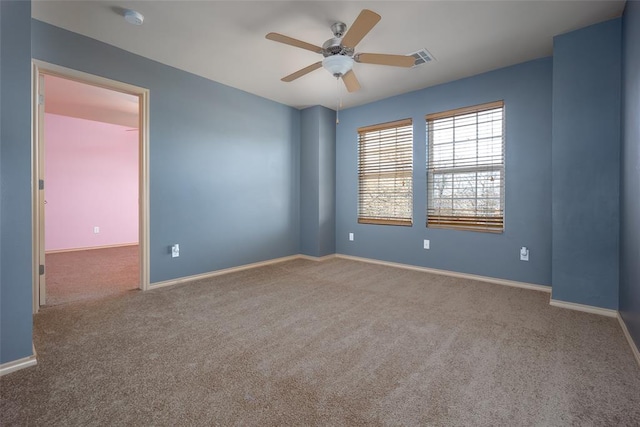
(338, 101)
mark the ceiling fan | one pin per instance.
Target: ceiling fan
(339, 51)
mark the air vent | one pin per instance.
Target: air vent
(422, 57)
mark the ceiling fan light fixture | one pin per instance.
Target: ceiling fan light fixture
(338, 65)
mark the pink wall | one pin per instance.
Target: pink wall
(91, 179)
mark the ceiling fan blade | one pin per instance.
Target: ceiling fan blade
(360, 28)
(351, 82)
(384, 59)
(306, 70)
(293, 42)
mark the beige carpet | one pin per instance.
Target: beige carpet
(91, 274)
(331, 343)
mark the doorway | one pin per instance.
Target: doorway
(90, 200)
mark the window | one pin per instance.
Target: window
(385, 173)
(465, 168)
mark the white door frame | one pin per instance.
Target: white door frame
(37, 114)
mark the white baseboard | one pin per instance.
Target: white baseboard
(220, 272)
(90, 248)
(16, 365)
(316, 258)
(505, 282)
(585, 308)
(632, 344)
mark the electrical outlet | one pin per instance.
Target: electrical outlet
(96, 230)
(351, 237)
(175, 251)
(524, 254)
(426, 244)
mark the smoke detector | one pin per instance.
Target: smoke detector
(133, 17)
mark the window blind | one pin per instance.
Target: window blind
(385, 173)
(465, 168)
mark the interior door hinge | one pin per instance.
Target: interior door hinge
(41, 184)
(40, 99)
(41, 269)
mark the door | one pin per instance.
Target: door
(39, 185)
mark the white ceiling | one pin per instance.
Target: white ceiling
(224, 40)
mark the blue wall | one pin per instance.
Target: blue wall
(317, 181)
(526, 91)
(586, 164)
(224, 177)
(15, 179)
(630, 172)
